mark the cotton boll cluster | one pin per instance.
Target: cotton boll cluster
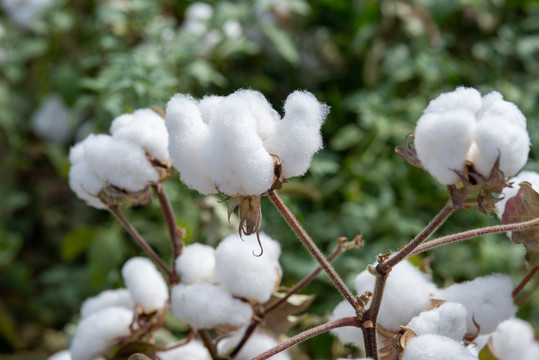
(145, 284)
(225, 143)
(514, 339)
(462, 126)
(119, 160)
(256, 345)
(51, 120)
(194, 350)
(509, 192)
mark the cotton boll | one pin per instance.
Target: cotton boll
(509, 192)
(209, 108)
(61, 355)
(107, 298)
(97, 332)
(468, 99)
(256, 345)
(494, 105)
(442, 141)
(203, 306)
(347, 334)
(196, 263)
(146, 285)
(429, 346)
(85, 184)
(298, 134)
(194, 350)
(496, 137)
(263, 114)
(146, 129)
(487, 299)
(244, 274)
(187, 132)
(407, 293)
(449, 320)
(51, 120)
(512, 339)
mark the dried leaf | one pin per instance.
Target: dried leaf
(141, 349)
(280, 319)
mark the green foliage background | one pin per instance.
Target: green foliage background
(376, 63)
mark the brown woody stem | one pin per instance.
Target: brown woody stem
(311, 246)
(208, 343)
(170, 219)
(525, 281)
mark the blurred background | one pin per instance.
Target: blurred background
(68, 68)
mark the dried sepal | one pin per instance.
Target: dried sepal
(113, 196)
(163, 168)
(345, 244)
(408, 152)
(401, 338)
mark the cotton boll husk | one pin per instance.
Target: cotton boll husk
(468, 99)
(487, 299)
(146, 285)
(107, 298)
(119, 162)
(496, 137)
(298, 134)
(203, 306)
(347, 334)
(256, 345)
(243, 273)
(509, 192)
(196, 263)
(430, 346)
(442, 141)
(85, 184)
(146, 129)
(61, 355)
(407, 293)
(512, 339)
(494, 105)
(51, 120)
(194, 350)
(449, 320)
(97, 332)
(187, 132)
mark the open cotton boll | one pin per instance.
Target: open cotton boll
(196, 263)
(487, 299)
(449, 320)
(84, 182)
(107, 298)
(146, 129)
(430, 346)
(187, 132)
(51, 120)
(509, 192)
(347, 334)
(256, 345)
(407, 293)
(298, 134)
(244, 274)
(146, 285)
(61, 355)
(468, 99)
(512, 339)
(495, 105)
(97, 332)
(193, 350)
(203, 306)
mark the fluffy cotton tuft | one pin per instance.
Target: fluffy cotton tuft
(509, 192)
(97, 332)
(225, 143)
(146, 285)
(107, 298)
(61, 355)
(449, 320)
(243, 273)
(515, 339)
(256, 345)
(203, 306)
(429, 346)
(487, 299)
(407, 293)
(347, 334)
(461, 126)
(51, 120)
(196, 263)
(194, 350)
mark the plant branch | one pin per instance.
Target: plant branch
(140, 240)
(525, 281)
(311, 246)
(370, 317)
(347, 321)
(250, 330)
(208, 343)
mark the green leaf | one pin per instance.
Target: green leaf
(283, 43)
(106, 253)
(76, 242)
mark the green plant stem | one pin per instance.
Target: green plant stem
(170, 219)
(208, 343)
(470, 234)
(525, 281)
(140, 240)
(313, 249)
(347, 321)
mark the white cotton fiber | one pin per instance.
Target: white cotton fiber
(51, 120)
(146, 285)
(194, 350)
(449, 320)
(487, 299)
(107, 298)
(429, 347)
(256, 345)
(243, 273)
(196, 263)
(407, 293)
(61, 355)
(84, 182)
(146, 129)
(204, 306)
(513, 339)
(468, 99)
(97, 332)
(508, 192)
(347, 334)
